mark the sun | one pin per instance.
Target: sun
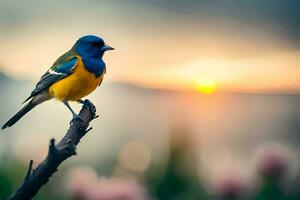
(207, 85)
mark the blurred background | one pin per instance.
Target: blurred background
(200, 100)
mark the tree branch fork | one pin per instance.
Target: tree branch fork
(57, 153)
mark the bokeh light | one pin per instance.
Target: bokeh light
(135, 156)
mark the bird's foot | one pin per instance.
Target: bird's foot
(85, 102)
(80, 101)
(89, 104)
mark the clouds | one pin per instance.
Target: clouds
(268, 14)
(277, 16)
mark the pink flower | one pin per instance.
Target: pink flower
(230, 187)
(87, 186)
(273, 164)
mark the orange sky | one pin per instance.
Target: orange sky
(157, 52)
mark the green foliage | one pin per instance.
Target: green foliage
(11, 174)
(179, 179)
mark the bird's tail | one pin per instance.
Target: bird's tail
(36, 100)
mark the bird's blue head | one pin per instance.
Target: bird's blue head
(91, 46)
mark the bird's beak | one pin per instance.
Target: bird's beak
(107, 48)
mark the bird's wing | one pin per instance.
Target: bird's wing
(62, 68)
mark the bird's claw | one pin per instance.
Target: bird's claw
(85, 102)
(80, 101)
(88, 103)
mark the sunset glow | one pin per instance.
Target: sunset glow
(207, 85)
(222, 48)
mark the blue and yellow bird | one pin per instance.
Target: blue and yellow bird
(73, 75)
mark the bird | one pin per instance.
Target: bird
(73, 76)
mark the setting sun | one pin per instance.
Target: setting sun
(206, 85)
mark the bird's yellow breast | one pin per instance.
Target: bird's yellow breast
(77, 85)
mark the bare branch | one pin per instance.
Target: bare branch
(65, 148)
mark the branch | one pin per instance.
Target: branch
(65, 148)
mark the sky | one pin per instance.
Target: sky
(244, 46)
